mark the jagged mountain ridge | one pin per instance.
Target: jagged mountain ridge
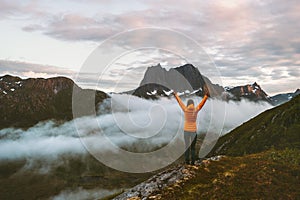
(250, 91)
(25, 102)
(189, 75)
(187, 79)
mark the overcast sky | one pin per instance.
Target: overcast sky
(248, 40)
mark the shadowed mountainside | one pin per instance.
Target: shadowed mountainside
(278, 127)
(25, 102)
(282, 98)
(188, 80)
(157, 81)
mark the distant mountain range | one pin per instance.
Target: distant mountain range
(188, 81)
(267, 146)
(25, 102)
(282, 98)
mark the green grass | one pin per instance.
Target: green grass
(277, 128)
(266, 163)
(274, 174)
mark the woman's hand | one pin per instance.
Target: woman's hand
(206, 90)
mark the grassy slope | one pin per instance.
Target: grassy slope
(278, 127)
(271, 174)
(267, 165)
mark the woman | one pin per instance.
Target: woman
(190, 126)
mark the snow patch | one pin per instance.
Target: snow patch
(154, 92)
(195, 91)
(227, 88)
(168, 92)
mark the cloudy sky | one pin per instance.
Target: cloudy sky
(247, 40)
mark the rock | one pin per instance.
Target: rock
(158, 81)
(251, 92)
(169, 179)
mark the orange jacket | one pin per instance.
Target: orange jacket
(190, 113)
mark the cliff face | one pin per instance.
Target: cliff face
(25, 102)
(186, 78)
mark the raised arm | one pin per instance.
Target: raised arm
(201, 104)
(183, 107)
(206, 95)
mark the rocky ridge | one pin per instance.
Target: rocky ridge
(188, 81)
(25, 102)
(172, 177)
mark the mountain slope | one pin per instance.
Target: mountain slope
(251, 92)
(282, 98)
(186, 78)
(278, 127)
(25, 102)
(266, 162)
(267, 175)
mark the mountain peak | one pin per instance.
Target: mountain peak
(9, 78)
(158, 65)
(249, 91)
(185, 78)
(186, 66)
(187, 75)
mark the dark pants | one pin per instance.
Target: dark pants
(190, 139)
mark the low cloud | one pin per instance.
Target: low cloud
(83, 194)
(134, 124)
